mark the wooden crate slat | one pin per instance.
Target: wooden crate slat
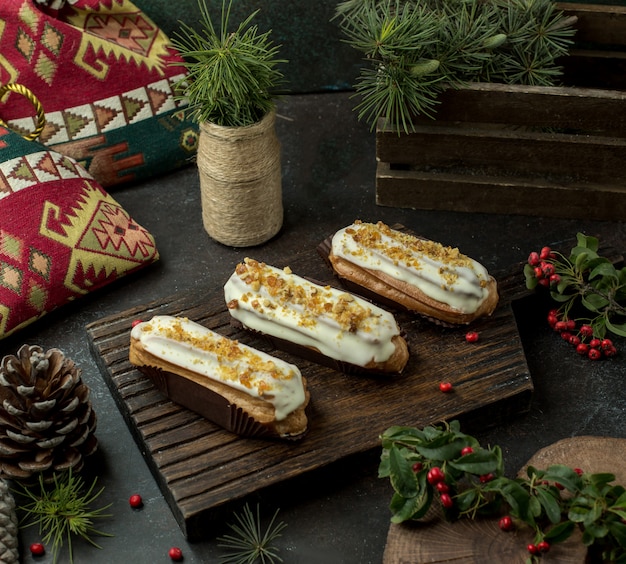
(488, 194)
(598, 24)
(498, 152)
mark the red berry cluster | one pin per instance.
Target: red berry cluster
(543, 268)
(581, 337)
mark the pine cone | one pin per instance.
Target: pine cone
(9, 545)
(47, 423)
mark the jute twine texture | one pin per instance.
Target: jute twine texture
(240, 182)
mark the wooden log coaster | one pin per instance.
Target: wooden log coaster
(468, 541)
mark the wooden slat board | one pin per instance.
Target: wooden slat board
(201, 469)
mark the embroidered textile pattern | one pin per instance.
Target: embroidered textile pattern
(104, 73)
(61, 234)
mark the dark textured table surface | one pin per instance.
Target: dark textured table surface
(337, 514)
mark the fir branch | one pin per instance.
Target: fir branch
(250, 543)
(63, 511)
(232, 75)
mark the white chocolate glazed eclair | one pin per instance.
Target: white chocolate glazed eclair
(345, 331)
(420, 275)
(240, 388)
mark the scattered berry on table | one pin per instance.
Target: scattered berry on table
(135, 501)
(446, 387)
(176, 554)
(37, 549)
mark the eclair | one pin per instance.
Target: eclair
(324, 324)
(416, 274)
(239, 388)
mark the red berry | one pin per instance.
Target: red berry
(582, 349)
(570, 325)
(435, 475)
(554, 279)
(466, 450)
(532, 549)
(554, 312)
(566, 336)
(135, 501)
(533, 259)
(538, 272)
(552, 320)
(506, 523)
(594, 354)
(586, 331)
(442, 487)
(545, 253)
(446, 501)
(136, 322)
(579, 471)
(560, 326)
(445, 387)
(176, 554)
(547, 269)
(545, 282)
(417, 467)
(574, 340)
(606, 344)
(471, 336)
(543, 546)
(37, 549)
(595, 343)
(610, 352)
(486, 478)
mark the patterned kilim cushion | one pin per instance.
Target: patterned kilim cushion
(61, 233)
(103, 72)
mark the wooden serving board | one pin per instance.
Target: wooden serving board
(202, 470)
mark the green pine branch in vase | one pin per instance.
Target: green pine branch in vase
(233, 74)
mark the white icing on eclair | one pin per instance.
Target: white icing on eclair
(442, 273)
(184, 343)
(340, 325)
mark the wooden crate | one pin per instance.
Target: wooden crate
(558, 152)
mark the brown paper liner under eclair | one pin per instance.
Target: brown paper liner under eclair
(210, 405)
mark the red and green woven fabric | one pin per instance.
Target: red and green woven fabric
(61, 234)
(104, 74)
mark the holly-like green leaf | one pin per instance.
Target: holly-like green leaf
(602, 267)
(479, 462)
(588, 242)
(594, 302)
(616, 328)
(465, 499)
(550, 504)
(403, 480)
(618, 530)
(577, 513)
(560, 532)
(442, 448)
(597, 529)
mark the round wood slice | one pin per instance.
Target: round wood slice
(468, 541)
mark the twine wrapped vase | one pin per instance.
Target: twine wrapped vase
(241, 182)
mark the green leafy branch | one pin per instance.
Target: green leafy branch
(440, 463)
(583, 279)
